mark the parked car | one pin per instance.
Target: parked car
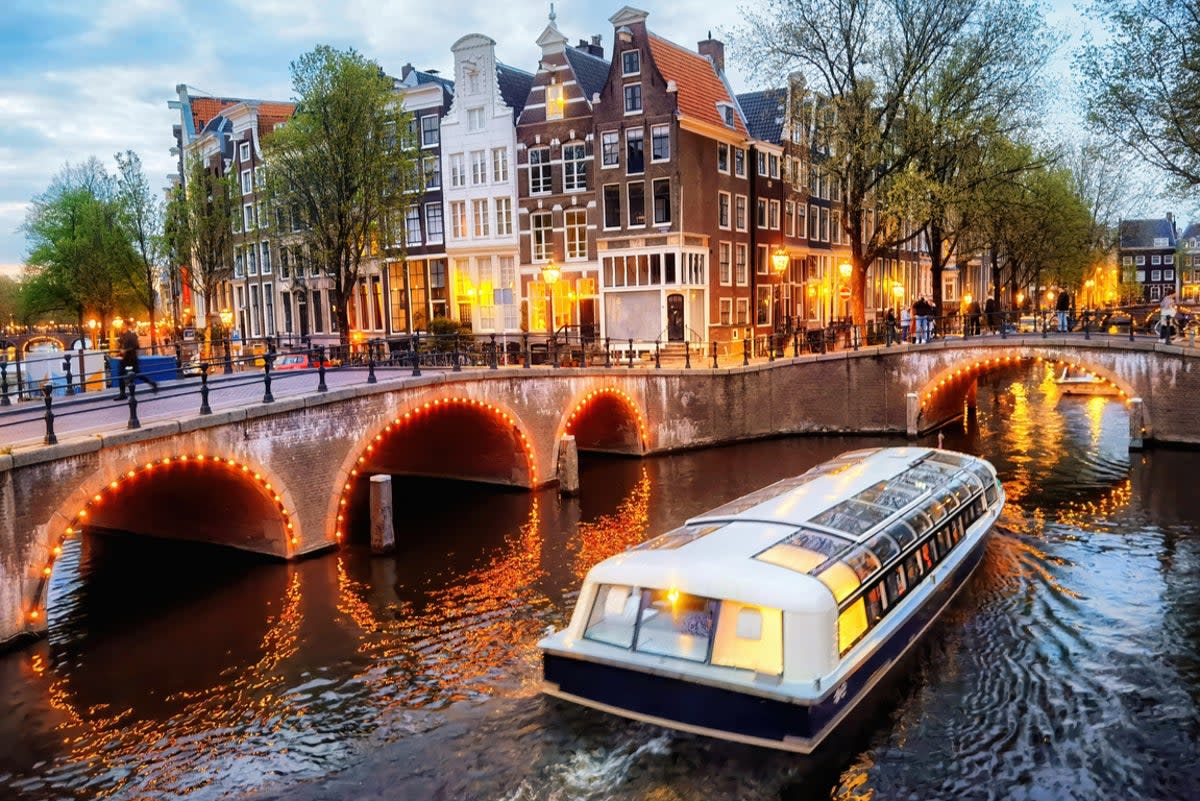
(298, 361)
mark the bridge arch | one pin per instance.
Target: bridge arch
(267, 524)
(425, 422)
(62, 341)
(944, 386)
(606, 419)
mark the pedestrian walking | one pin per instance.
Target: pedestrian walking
(889, 321)
(905, 324)
(129, 358)
(989, 309)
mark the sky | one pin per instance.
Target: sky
(79, 79)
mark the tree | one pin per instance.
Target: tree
(202, 228)
(1141, 88)
(887, 79)
(339, 168)
(79, 250)
(142, 216)
(176, 251)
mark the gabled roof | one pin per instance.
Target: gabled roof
(591, 72)
(1191, 232)
(514, 87)
(1142, 233)
(764, 113)
(699, 87)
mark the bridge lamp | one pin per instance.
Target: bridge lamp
(779, 261)
(226, 318)
(550, 274)
(845, 268)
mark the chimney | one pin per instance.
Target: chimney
(592, 48)
(405, 70)
(715, 50)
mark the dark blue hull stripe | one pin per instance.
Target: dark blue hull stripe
(794, 725)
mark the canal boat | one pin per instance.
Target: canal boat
(768, 619)
(1082, 384)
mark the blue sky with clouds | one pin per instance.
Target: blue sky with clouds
(93, 78)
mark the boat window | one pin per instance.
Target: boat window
(760, 496)
(613, 615)
(876, 604)
(937, 511)
(884, 547)
(944, 541)
(749, 637)
(896, 585)
(972, 481)
(920, 522)
(949, 499)
(851, 516)
(982, 473)
(676, 624)
(889, 495)
(912, 569)
(992, 494)
(927, 557)
(803, 550)
(852, 625)
(902, 532)
(676, 538)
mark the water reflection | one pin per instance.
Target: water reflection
(1070, 668)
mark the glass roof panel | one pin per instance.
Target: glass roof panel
(889, 494)
(884, 547)
(804, 550)
(954, 459)
(853, 517)
(676, 538)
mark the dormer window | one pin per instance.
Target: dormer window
(631, 62)
(726, 112)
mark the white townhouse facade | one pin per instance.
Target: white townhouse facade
(479, 188)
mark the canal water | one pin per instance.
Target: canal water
(1068, 669)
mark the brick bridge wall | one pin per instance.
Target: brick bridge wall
(276, 479)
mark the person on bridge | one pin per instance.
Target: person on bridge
(989, 310)
(1062, 308)
(1167, 312)
(129, 358)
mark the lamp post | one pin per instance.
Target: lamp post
(779, 263)
(1090, 285)
(226, 322)
(550, 274)
(845, 268)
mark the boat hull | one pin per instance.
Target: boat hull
(791, 724)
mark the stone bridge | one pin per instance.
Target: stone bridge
(283, 478)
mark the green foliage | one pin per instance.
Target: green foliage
(79, 249)
(342, 165)
(897, 101)
(142, 218)
(200, 225)
(1142, 86)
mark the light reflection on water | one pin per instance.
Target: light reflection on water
(1070, 668)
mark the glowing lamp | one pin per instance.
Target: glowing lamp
(844, 268)
(898, 291)
(551, 273)
(780, 260)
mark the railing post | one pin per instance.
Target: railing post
(1045, 328)
(1131, 325)
(67, 370)
(416, 353)
(131, 379)
(714, 350)
(371, 379)
(795, 344)
(687, 355)
(178, 362)
(122, 394)
(528, 355)
(228, 357)
(1087, 325)
(607, 352)
(629, 354)
(4, 401)
(49, 439)
(771, 347)
(554, 351)
(746, 352)
(495, 362)
(657, 360)
(268, 358)
(204, 407)
(854, 336)
(320, 351)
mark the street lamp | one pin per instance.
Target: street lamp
(845, 268)
(779, 263)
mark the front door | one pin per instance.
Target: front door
(302, 312)
(675, 318)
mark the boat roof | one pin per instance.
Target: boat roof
(858, 510)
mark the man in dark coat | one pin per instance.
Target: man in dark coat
(1062, 308)
(129, 357)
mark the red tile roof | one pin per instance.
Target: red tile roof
(269, 113)
(696, 81)
(205, 108)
